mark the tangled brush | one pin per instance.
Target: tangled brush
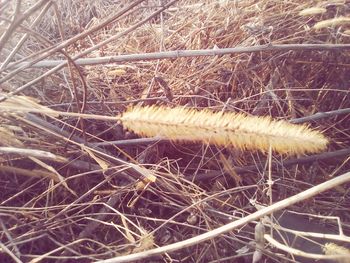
(224, 129)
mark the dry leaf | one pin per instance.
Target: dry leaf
(59, 178)
(140, 185)
(128, 235)
(148, 174)
(103, 164)
(229, 169)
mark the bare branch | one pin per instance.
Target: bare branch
(185, 53)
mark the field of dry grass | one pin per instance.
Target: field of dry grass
(174, 131)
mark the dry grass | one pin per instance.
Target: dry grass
(105, 192)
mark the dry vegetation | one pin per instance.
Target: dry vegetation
(76, 185)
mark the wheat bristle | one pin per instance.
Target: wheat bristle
(223, 129)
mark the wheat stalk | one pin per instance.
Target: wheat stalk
(223, 129)
(183, 124)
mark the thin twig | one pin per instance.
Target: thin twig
(10, 239)
(130, 142)
(186, 53)
(6, 250)
(321, 115)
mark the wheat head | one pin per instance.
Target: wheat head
(334, 249)
(337, 21)
(223, 129)
(312, 11)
